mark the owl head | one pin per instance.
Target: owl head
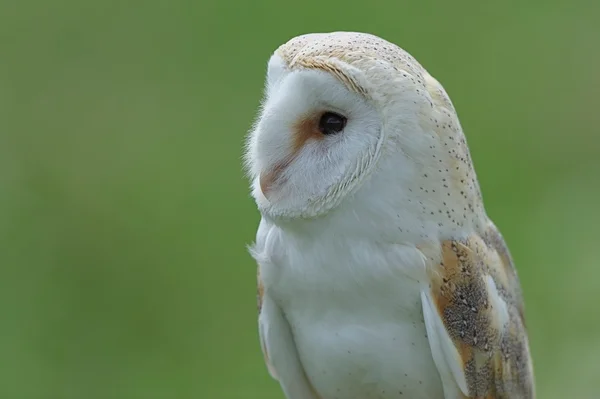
(352, 121)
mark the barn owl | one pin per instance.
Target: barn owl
(379, 273)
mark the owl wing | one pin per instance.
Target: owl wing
(279, 349)
(276, 339)
(474, 319)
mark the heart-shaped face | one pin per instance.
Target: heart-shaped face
(343, 109)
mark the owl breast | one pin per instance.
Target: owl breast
(358, 330)
(357, 357)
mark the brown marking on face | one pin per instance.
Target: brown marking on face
(273, 176)
(329, 67)
(304, 130)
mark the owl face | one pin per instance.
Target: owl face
(313, 142)
(342, 109)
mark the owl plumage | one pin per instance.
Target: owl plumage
(380, 274)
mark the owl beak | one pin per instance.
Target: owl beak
(266, 182)
(272, 177)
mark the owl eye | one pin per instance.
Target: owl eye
(331, 123)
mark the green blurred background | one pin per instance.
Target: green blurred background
(124, 212)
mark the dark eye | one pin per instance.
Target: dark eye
(331, 123)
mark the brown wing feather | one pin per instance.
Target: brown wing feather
(494, 240)
(484, 318)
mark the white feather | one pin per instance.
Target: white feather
(338, 241)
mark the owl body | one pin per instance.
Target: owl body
(379, 273)
(357, 333)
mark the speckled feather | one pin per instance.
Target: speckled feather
(489, 335)
(472, 301)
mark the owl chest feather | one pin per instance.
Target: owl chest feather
(355, 313)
